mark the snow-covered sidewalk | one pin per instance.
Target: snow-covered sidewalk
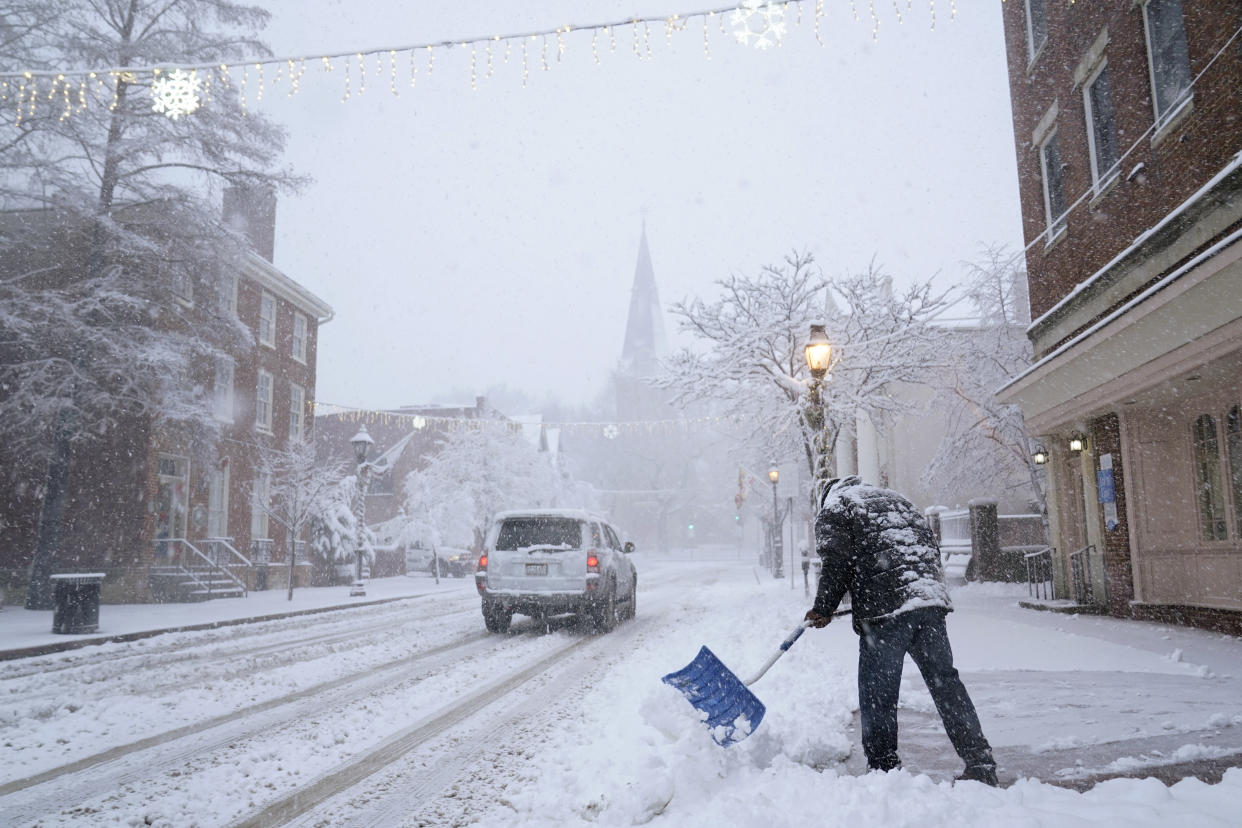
(25, 632)
(1067, 702)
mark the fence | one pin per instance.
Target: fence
(1039, 583)
(1080, 575)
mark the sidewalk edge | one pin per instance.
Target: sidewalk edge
(63, 646)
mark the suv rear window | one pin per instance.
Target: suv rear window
(519, 533)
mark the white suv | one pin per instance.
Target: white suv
(545, 562)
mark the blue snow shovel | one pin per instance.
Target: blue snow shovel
(731, 711)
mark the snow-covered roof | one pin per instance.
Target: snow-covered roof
(578, 514)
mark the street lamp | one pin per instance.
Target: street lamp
(818, 352)
(362, 443)
(778, 551)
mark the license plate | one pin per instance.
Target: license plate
(536, 569)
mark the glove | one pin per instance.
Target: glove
(814, 619)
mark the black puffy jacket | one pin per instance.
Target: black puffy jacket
(876, 546)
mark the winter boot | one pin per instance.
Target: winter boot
(985, 773)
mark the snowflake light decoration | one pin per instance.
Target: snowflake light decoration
(175, 93)
(611, 431)
(759, 19)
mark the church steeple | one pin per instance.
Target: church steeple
(645, 343)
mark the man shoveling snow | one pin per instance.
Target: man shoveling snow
(877, 547)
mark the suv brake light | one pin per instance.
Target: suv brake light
(592, 562)
(480, 573)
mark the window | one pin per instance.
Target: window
(267, 319)
(260, 501)
(1036, 27)
(1054, 185)
(297, 406)
(263, 402)
(218, 502)
(171, 498)
(1167, 55)
(1233, 441)
(228, 294)
(223, 388)
(1101, 128)
(299, 336)
(1207, 480)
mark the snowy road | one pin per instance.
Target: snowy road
(408, 713)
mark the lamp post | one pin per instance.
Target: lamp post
(362, 443)
(778, 550)
(818, 353)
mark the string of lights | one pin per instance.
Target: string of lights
(180, 89)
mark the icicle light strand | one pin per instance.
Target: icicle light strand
(66, 91)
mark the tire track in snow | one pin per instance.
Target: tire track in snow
(284, 708)
(431, 767)
(391, 750)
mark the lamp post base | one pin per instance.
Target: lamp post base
(357, 589)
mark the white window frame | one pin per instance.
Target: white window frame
(260, 498)
(263, 401)
(1100, 179)
(228, 294)
(1057, 226)
(218, 502)
(301, 327)
(1163, 119)
(267, 323)
(1032, 48)
(223, 386)
(297, 412)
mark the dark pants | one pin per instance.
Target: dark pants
(882, 648)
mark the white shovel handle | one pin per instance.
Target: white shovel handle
(785, 645)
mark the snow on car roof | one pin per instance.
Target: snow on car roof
(580, 514)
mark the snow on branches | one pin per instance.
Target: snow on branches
(749, 350)
(474, 474)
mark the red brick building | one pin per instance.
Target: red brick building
(167, 512)
(1127, 120)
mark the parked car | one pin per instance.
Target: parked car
(460, 562)
(418, 559)
(554, 561)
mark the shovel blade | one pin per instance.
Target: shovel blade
(730, 711)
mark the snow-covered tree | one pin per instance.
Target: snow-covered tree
(749, 352)
(986, 444)
(475, 473)
(302, 488)
(335, 531)
(111, 216)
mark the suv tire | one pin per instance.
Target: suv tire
(632, 609)
(605, 614)
(496, 618)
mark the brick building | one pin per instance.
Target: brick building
(167, 511)
(1127, 120)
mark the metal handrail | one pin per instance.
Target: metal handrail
(227, 543)
(1080, 575)
(1039, 573)
(211, 564)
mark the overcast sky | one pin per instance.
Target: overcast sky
(467, 238)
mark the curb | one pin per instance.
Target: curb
(1209, 770)
(60, 647)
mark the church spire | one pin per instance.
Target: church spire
(645, 343)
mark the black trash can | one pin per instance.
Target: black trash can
(76, 600)
(260, 577)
